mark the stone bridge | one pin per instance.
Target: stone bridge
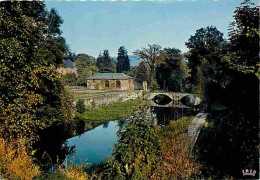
(175, 97)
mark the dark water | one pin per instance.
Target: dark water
(164, 115)
(95, 145)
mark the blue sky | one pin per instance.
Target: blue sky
(89, 27)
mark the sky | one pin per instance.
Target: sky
(94, 25)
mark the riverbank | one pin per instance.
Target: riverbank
(113, 111)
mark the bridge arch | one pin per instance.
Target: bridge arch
(174, 96)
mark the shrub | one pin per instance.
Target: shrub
(76, 172)
(80, 106)
(70, 79)
(15, 162)
(176, 128)
(177, 159)
(176, 152)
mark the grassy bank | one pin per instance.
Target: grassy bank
(176, 128)
(117, 110)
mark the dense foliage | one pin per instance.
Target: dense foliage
(105, 63)
(230, 85)
(152, 57)
(141, 73)
(166, 67)
(177, 157)
(32, 95)
(80, 106)
(86, 66)
(15, 162)
(172, 72)
(70, 79)
(123, 63)
(136, 154)
(146, 151)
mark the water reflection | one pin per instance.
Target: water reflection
(105, 125)
(164, 115)
(95, 145)
(52, 148)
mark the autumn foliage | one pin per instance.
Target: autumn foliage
(15, 162)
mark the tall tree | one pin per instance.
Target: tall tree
(205, 44)
(244, 38)
(99, 61)
(207, 47)
(123, 63)
(235, 129)
(141, 73)
(32, 95)
(108, 66)
(152, 56)
(171, 73)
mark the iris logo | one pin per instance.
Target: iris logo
(248, 172)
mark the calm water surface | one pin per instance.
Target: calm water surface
(95, 145)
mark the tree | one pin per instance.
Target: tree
(123, 63)
(172, 72)
(99, 62)
(207, 47)
(86, 66)
(54, 47)
(141, 73)
(205, 44)
(106, 63)
(244, 39)
(32, 95)
(136, 154)
(235, 128)
(152, 57)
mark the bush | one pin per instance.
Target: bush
(73, 172)
(15, 162)
(176, 128)
(70, 79)
(177, 158)
(176, 152)
(80, 106)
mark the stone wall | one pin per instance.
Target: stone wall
(109, 98)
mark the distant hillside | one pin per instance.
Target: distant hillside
(134, 60)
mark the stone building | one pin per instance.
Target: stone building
(69, 68)
(110, 81)
(65, 71)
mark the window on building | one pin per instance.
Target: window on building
(107, 83)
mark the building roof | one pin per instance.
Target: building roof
(110, 76)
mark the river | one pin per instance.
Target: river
(95, 145)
